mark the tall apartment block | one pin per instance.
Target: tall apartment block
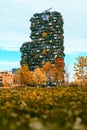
(47, 41)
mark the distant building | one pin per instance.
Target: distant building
(1, 80)
(8, 79)
(14, 70)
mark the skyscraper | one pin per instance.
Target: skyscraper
(47, 41)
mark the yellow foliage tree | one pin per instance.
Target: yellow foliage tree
(39, 77)
(24, 75)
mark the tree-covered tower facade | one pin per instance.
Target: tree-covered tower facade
(47, 41)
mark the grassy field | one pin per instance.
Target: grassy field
(62, 108)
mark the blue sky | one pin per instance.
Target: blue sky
(15, 28)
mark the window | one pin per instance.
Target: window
(45, 16)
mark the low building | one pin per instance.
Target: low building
(8, 79)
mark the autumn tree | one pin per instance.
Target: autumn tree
(60, 71)
(47, 67)
(39, 77)
(57, 74)
(24, 75)
(54, 73)
(80, 68)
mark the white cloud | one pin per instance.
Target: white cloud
(12, 40)
(8, 65)
(75, 45)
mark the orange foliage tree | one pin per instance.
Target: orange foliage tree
(24, 75)
(47, 67)
(58, 74)
(54, 73)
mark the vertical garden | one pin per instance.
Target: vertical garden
(47, 41)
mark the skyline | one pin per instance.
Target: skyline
(14, 28)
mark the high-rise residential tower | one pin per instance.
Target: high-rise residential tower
(47, 41)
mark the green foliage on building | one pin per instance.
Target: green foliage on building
(47, 41)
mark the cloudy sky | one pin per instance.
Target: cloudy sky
(15, 28)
